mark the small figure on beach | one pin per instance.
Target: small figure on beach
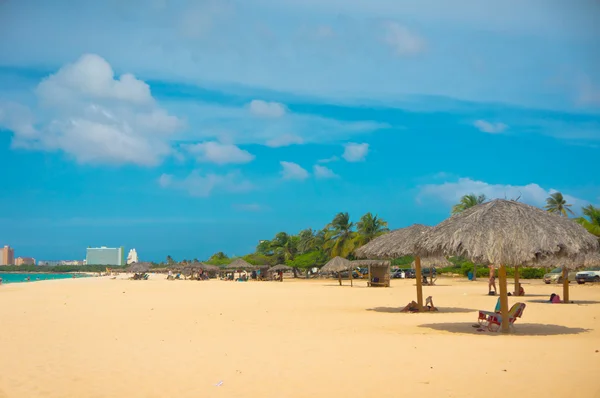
(492, 281)
(0, 281)
(555, 298)
(414, 306)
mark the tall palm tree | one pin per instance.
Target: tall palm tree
(468, 201)
(592, 224)
(556, 203)
(339, 238)
(369, 227)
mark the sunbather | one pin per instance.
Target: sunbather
(414, 306)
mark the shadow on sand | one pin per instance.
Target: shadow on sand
(523, 329)
(445, 310)
(578, 302)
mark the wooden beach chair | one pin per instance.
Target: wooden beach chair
(493, 320)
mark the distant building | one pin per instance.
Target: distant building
(8, 256)
(105, 256)
(24, 261)
(132, 257)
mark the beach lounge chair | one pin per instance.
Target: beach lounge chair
(492, 320)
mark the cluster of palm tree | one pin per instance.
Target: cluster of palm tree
(555, 203)
(338, 238)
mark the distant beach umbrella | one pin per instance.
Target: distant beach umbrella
(240, 263)
(138, 267)
(338, 265)
(280, 267)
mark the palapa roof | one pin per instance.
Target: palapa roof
(280, 267)
(239, 263)
(372, 263)
(394, 244)
(138, 267)
(337, 264)
(506, 232)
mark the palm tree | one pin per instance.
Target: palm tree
(369, 227)
(468, 201)
(593, 224)
(285, 246)
(339, 238)
(556, 203)
(309, 240)
(170, 260)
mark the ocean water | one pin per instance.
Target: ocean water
(17, 278)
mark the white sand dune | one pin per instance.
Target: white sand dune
(98, 337)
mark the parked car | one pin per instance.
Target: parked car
(555, 276)
(408, 273)
(425, 271)
(589, 275)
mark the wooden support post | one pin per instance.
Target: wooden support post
(474, 272)
(340, 278)
(351, 276)
(503, 298)
(369, 270)
(419, 282)
(565, 278)
(517, 284)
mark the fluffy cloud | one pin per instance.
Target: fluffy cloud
(267, 109)
(94, 117)
(355, 152)
(451, 192)
(293, 171)
(329, 160)
(203, 185)
(285, 140)
(402, 40)
(489, 127)
(323, 172)
(215, 152)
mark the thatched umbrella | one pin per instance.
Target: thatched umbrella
(507, 233)
(239, 263)
(280, 268)
(138, 267)
(338, 265)
(398, 243)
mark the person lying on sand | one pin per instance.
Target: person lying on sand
(414, 306)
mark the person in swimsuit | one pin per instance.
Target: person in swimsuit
(492, 281)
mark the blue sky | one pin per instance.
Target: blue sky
(186, 128)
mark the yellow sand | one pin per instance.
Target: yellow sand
(98, 337)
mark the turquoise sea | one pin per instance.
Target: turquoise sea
(16, 278)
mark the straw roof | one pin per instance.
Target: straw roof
(337, 264)
(239, 263)
(398, 243)
(138, 267)
(505, 232)
(372, 263)
(280, 267)
(429, 262)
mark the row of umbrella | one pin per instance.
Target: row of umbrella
(503, 233)
(237, 264)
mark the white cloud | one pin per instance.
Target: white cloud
(267, 109)
(402, 40)
(199, 185)
(355, 152)
(490, 127)
(94, 117)
(284, 140)
(215, 152)
(293, 171)
(451, 192)
(323, 172)
(251, 207)
(329, 160)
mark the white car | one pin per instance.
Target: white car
(589, 275)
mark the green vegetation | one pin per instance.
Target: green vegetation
(592, 223)
(556, 203)
(466, 202)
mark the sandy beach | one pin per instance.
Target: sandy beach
(97, 337)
